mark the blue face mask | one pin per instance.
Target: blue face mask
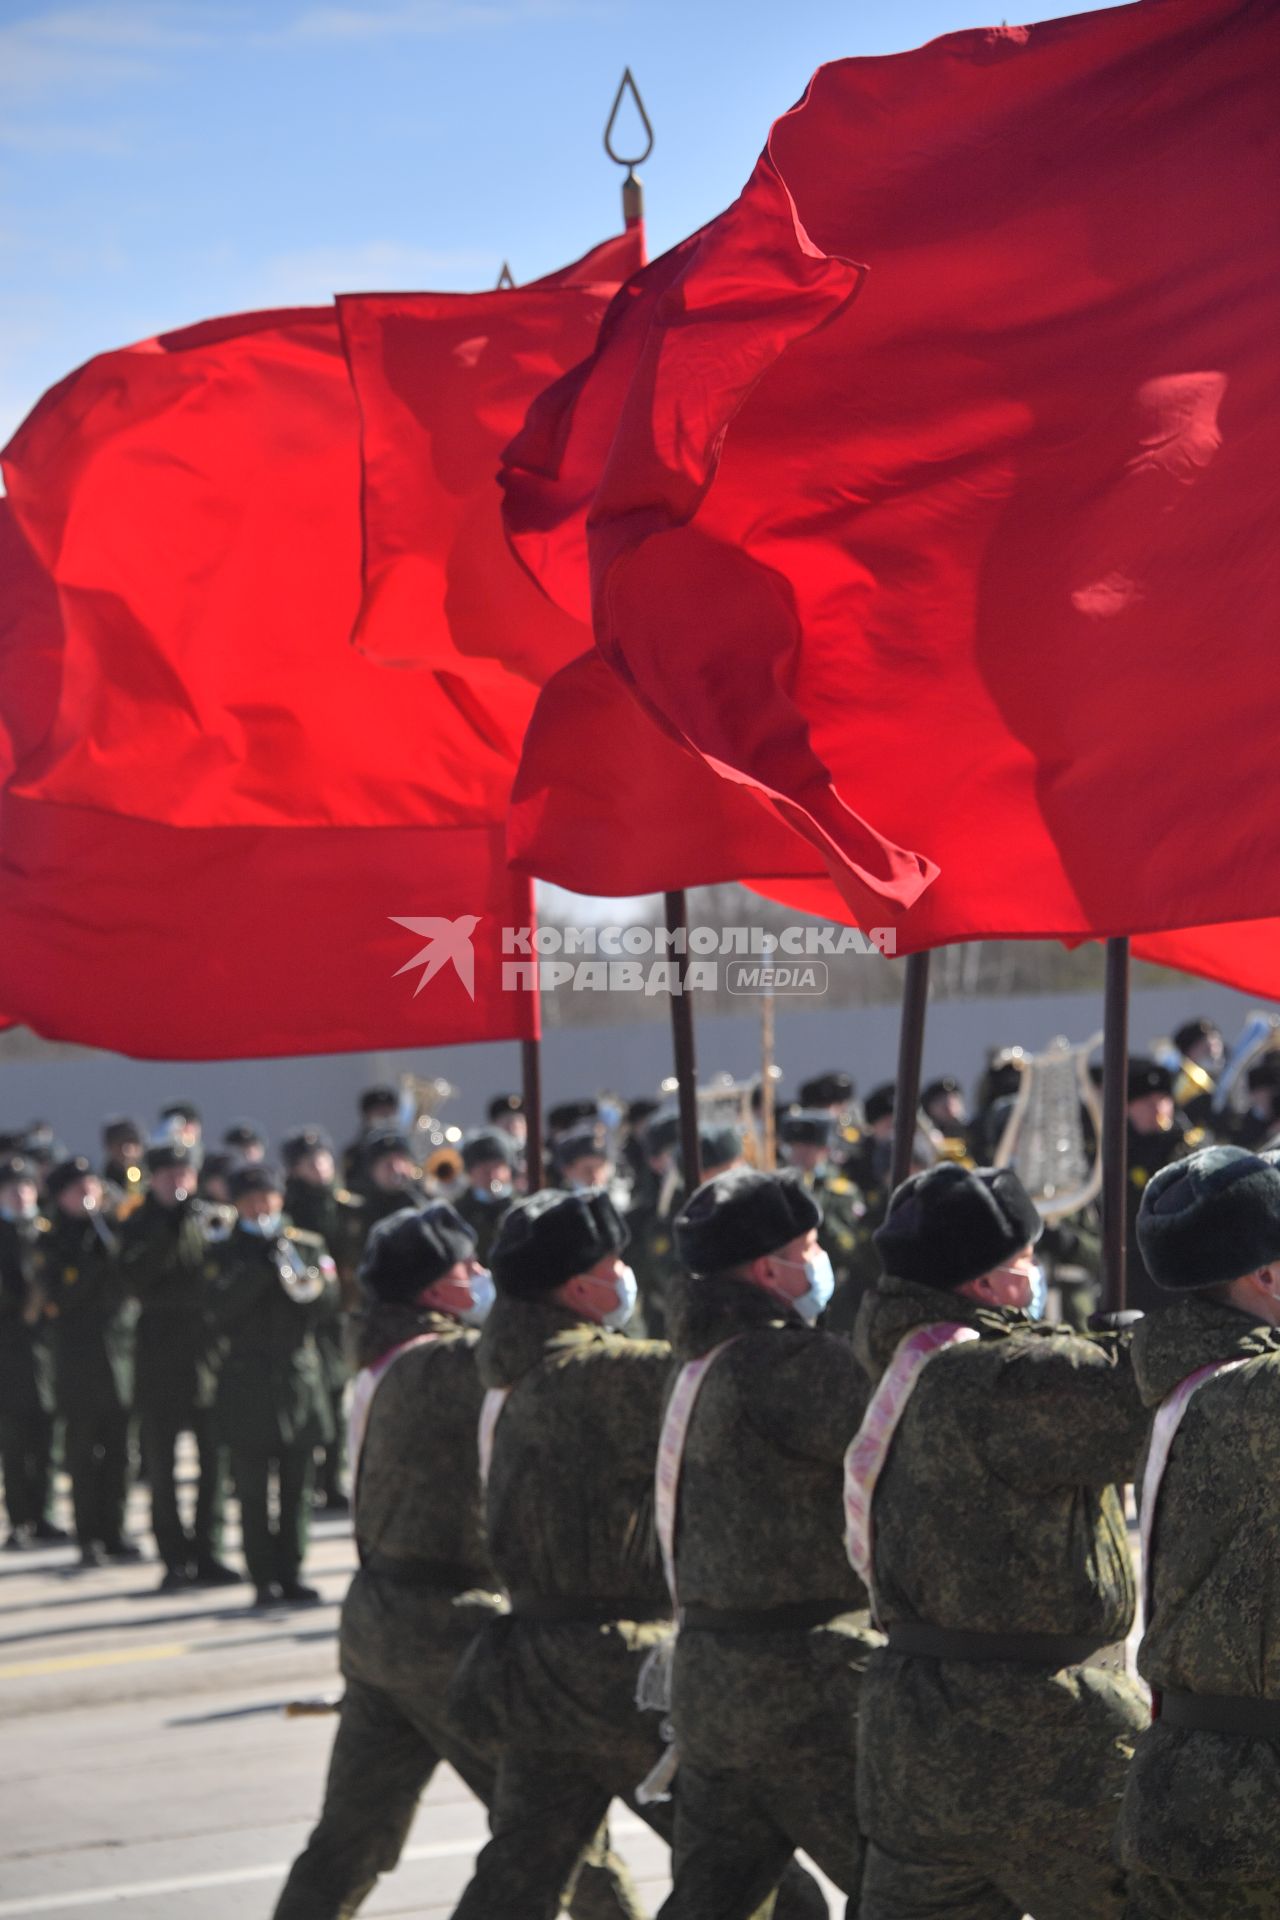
(482, 1298)
(267, 1225)
(1039, 1294)
(816, 1267)
(628, 1292)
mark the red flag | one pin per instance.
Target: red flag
(443, 382)
(236, 833)
(985, 555)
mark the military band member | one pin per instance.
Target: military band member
(809, 1140)
(247, 1141)
(379, 1114)
(274, 1282)
(389, 1177)
(1157, 1136)
(168, 1248)
(123, 1146)
(26, 1365)
(489, 1160)
(774, 1631)
(984, 1502)
(314, 1201)
(1199, 1831)
(92, 1319)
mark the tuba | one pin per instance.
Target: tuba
(1044, 1139)
(1260, 1034)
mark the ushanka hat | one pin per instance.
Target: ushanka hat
(951, 1224)
(1209, 1219)
(414, 1248)
(544, 1240)
(741, 1215)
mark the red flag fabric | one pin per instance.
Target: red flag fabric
(443, 381)
(983, 556)
(236, 833)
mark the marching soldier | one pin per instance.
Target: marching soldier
(274, 1282)
(1198, 1829)
(651, 1220)
(246, 1140)
(314, 1202)
(180, 1121)
(868, 1163)
(167, 1258)
(571, 1420)
(774, 1631)
(425, 1583)
(379, 1114)
(983, 1502)
(85, 1298)
(26, 1366)
(389, 1177)
(489, 1162)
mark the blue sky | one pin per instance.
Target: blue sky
(164, 160)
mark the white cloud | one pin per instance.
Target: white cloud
(94, 49)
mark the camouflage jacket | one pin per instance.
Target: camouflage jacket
(760, 1525)
(417, 1499)
(569, 1508)
(1203, 1806)
(998, 1508)
(168, 1256)
(270, 1386)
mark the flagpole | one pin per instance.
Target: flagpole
(531, 1092)
(675, 903)
(1115, 1125)
(768, 1129)
(906, 1099)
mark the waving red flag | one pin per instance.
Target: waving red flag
(443, 382)
(983, 557)
(236, 834)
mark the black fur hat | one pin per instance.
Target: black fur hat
(488, 1144)
(1209, 1219)
(1147, 1076)
(805, 1128)
(825, 1090)
(741, 1215)
(412, 1249)
(950, 1224)
(879, 1103)
(302, 1142)
(544, 1240)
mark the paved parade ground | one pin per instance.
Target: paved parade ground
(147, 1766)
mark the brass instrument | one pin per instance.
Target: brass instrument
(444, 1166)
(1260, 1035)
(302, 1282)
(726, 1102)
(419, 1103)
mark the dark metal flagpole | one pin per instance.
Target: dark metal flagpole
(531, 1091)
(906, 1099)
(675, 904)
(1115, 1125)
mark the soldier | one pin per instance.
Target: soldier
(123, 1146)
(314, 1202)
(774, 1631)
(582, 1161)
(506, 1112)
(1198, 1828)
(425, 1583)
(274, 1282)
(1157, 1136)
(167, 1257)
(1257, 1125)
(85, 1298)
(651, 1220)
(572, 1418)
(379, 1113)
(181, 1121)
(999, 1563)
(489, 1160)
(246, 1140)
(26, 1366)
(389, 1178)
(868, 1163)
(808, 1138)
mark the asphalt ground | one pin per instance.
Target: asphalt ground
(147, 1764)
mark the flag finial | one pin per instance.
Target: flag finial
(632, 191)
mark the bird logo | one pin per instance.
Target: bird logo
(448, 941)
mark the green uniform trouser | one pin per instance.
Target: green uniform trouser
(158, 1430)
(274, 1555)
(736, 1832)
(1154, 1898)
(97, 1458)
(26, 1456)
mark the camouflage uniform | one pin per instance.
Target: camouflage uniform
(424, 1586)
(765, 1718)
(1200, 1826)
(569, 1512)
(987, 1788)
